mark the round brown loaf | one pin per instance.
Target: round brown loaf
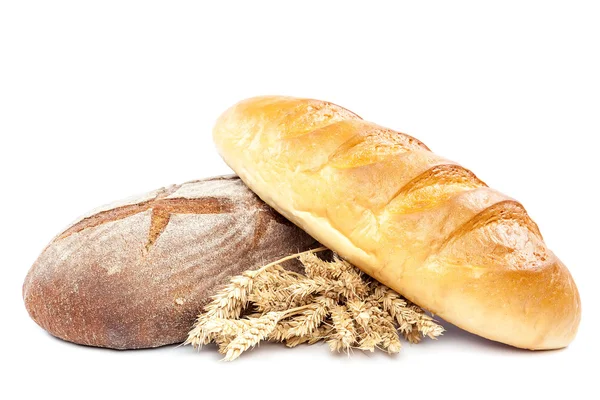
(421, 224)
(135, 274)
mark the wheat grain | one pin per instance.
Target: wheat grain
(368, 338)
(361, 312)
(383, 324)
(338, 276)
(340, 290)
(259, 330)
(345, 332)
(429, 328)
(275, 299)
(412, 336)
(229, 301)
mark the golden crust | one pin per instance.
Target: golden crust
(421, 224)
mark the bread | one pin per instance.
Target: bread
(136, 273)
(420, 224)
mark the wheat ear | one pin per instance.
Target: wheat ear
(260, 329)
(333, 302)
(345, 332)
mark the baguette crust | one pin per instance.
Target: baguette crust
(421, 224)
(136, 273)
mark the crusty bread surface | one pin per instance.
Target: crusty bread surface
(417, 222)
(135, 273)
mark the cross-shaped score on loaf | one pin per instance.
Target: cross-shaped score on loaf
(162, 209)
(163, 206)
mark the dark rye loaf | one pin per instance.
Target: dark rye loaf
(136, 273)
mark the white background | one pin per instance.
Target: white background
(101, 100)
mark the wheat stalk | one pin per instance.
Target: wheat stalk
(334, 302)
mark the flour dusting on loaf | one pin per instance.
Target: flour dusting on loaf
(135, 274)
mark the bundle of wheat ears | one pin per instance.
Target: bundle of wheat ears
(334, 302)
